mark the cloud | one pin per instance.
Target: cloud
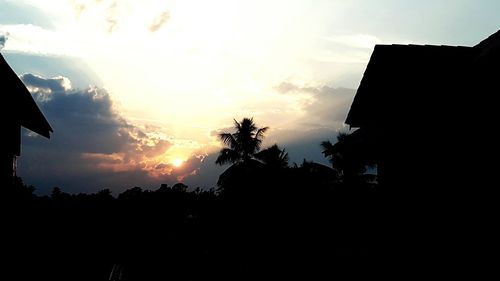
(112, 16)
(93, 146)
(206, 173)
(105, 12)
(291, 88)
(29, 38)
(76, 70)
(39, 85)
(329, 106)
(317, 114)
(324, 106)
(324, 111)
(159, 21)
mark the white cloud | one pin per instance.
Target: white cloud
(323, 106)
(159, 21)
(34, 39)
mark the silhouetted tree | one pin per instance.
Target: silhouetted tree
(179, 187)
(346, 155)
(17, 190)
(134, 193)
(241, 145)
(104, 194)
(58, 194)
(273, 157)
(343, 157)
(335, 157)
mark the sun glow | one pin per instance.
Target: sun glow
(177, 162)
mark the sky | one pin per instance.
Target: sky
(137, 90)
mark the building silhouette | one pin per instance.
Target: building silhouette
(17, 109)
(428, 115)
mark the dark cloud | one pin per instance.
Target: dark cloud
(83, 120)
(205, 173)
(92, 147)
(159, 21)
(39, 84)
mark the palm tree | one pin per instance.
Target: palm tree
(273, 157)
(330, 152)
(241, 145)
(344, 157)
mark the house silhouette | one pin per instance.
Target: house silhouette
(18, 109)
(428, 115)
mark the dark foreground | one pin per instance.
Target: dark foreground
(318, 230)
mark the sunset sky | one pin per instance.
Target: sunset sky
(137, 90)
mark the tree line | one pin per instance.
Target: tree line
(264, 216)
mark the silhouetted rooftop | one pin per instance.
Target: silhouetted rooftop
(492, 41)
(490, 51)
(394, 74)
(401, 78)
(19, 106)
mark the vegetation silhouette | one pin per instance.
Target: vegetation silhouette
(265, 218)
(288, 217)
(273, 157)
(350, 158)
(243, 144)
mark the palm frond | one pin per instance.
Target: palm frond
(237, 125)
(243, 143)
(284, 158)
(226, 156)
(273, 156)
(228, 139)
(342, 136)
(328, 148)
(260, 132)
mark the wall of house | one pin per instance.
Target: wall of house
(10, 147)
(6, 169)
